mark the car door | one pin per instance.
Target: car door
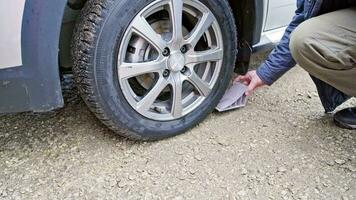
(11, 13)
(279, 13)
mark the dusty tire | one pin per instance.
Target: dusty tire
(95, 47)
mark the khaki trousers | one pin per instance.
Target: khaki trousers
(325, 46)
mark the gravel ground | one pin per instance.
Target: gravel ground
(281, 146)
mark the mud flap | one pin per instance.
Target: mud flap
(243, 58)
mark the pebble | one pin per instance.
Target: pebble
(122, 184)
(281, 169)
(198, 157)
(242, 193)
(244, 171)
(192, 171)
(296, 170)
(326, 184)
(252, 145)
(340, 161)
(271, 182)
(330, 163)
(344, 198)
(223, 142)
(351, 168)
(131, 177)
(112, 183)
(284, 192)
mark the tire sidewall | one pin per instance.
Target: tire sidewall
(112, 100)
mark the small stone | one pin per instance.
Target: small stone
(330, 163)
(242, 193)
(231, 196)
(317, 179)
(317, 190)
(181, 177)
(281, 169)
(295, 124)
(252, 145)
(198, 157)
(345, 189)
(192, 171)
(325, 184)
(284, 192)
(222, 142)
(244, 171)
(296, 170)
(325, 176)
(344, 198)
(179, 152)
(340, 161)
(271, 182)
(131, 177)
(122, 184)
(112, 183)
(351, 168)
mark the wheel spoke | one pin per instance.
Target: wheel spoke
(141, 27)
(176, 12)
(177, 107)
(199, 84)
(204, 23)
(129, 70)
(145, 104)
(205, 56)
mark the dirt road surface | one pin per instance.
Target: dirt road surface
(281, 146)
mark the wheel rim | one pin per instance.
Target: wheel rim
(170, 58)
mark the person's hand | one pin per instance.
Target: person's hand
(252, 80)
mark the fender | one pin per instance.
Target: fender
(35, 86)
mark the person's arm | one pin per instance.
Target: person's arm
(278, 62)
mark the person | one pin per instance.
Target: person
(321, 39)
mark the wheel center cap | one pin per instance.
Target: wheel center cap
(176, 62)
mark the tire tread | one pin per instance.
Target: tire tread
(83, 47)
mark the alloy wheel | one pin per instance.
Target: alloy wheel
(170, 58)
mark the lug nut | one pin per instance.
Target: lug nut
(166, 52)
(184, 49)
(166, 73)
(183, 70)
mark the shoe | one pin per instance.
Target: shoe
(346, 118)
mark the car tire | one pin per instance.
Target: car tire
(95, 48)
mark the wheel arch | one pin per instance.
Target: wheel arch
(249, 17)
